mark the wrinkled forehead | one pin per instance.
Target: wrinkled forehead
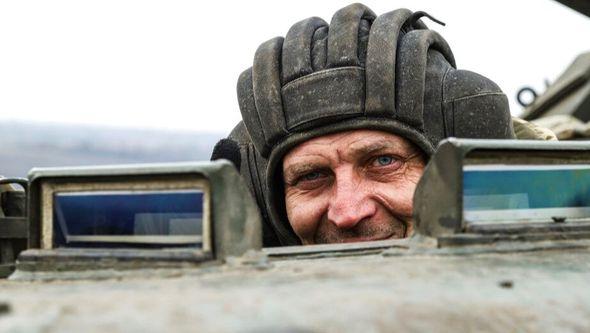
(350, 144)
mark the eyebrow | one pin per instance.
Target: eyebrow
(300, 168)
(374, 147)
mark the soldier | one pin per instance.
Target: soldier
(340, 119)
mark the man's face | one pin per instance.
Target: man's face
(351, 186)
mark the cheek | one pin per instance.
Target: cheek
(398, 195)
(304, 211)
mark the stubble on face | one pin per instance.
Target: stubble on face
(351, 187)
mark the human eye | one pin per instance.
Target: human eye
(311, 180)
(310, 176)
(385, 160)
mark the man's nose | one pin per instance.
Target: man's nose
(350, 203)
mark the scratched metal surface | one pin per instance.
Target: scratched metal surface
(535, 291)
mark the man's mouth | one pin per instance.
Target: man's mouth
(369, 239)
(396, 228)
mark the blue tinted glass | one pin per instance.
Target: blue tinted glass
(526, 192)
(171, 218)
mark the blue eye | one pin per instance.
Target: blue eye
(384, 160)
(312, 176)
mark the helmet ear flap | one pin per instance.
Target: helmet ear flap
(238, 148)
(474, 103)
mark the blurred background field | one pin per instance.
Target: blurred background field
(24, 145)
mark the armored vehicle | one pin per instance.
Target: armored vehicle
(178, 247)
(564, 106)
(502, 243)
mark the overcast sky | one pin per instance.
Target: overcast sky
(174, 64)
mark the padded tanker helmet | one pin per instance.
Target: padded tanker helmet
(362, 71)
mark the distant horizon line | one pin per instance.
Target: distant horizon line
(48, 123)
